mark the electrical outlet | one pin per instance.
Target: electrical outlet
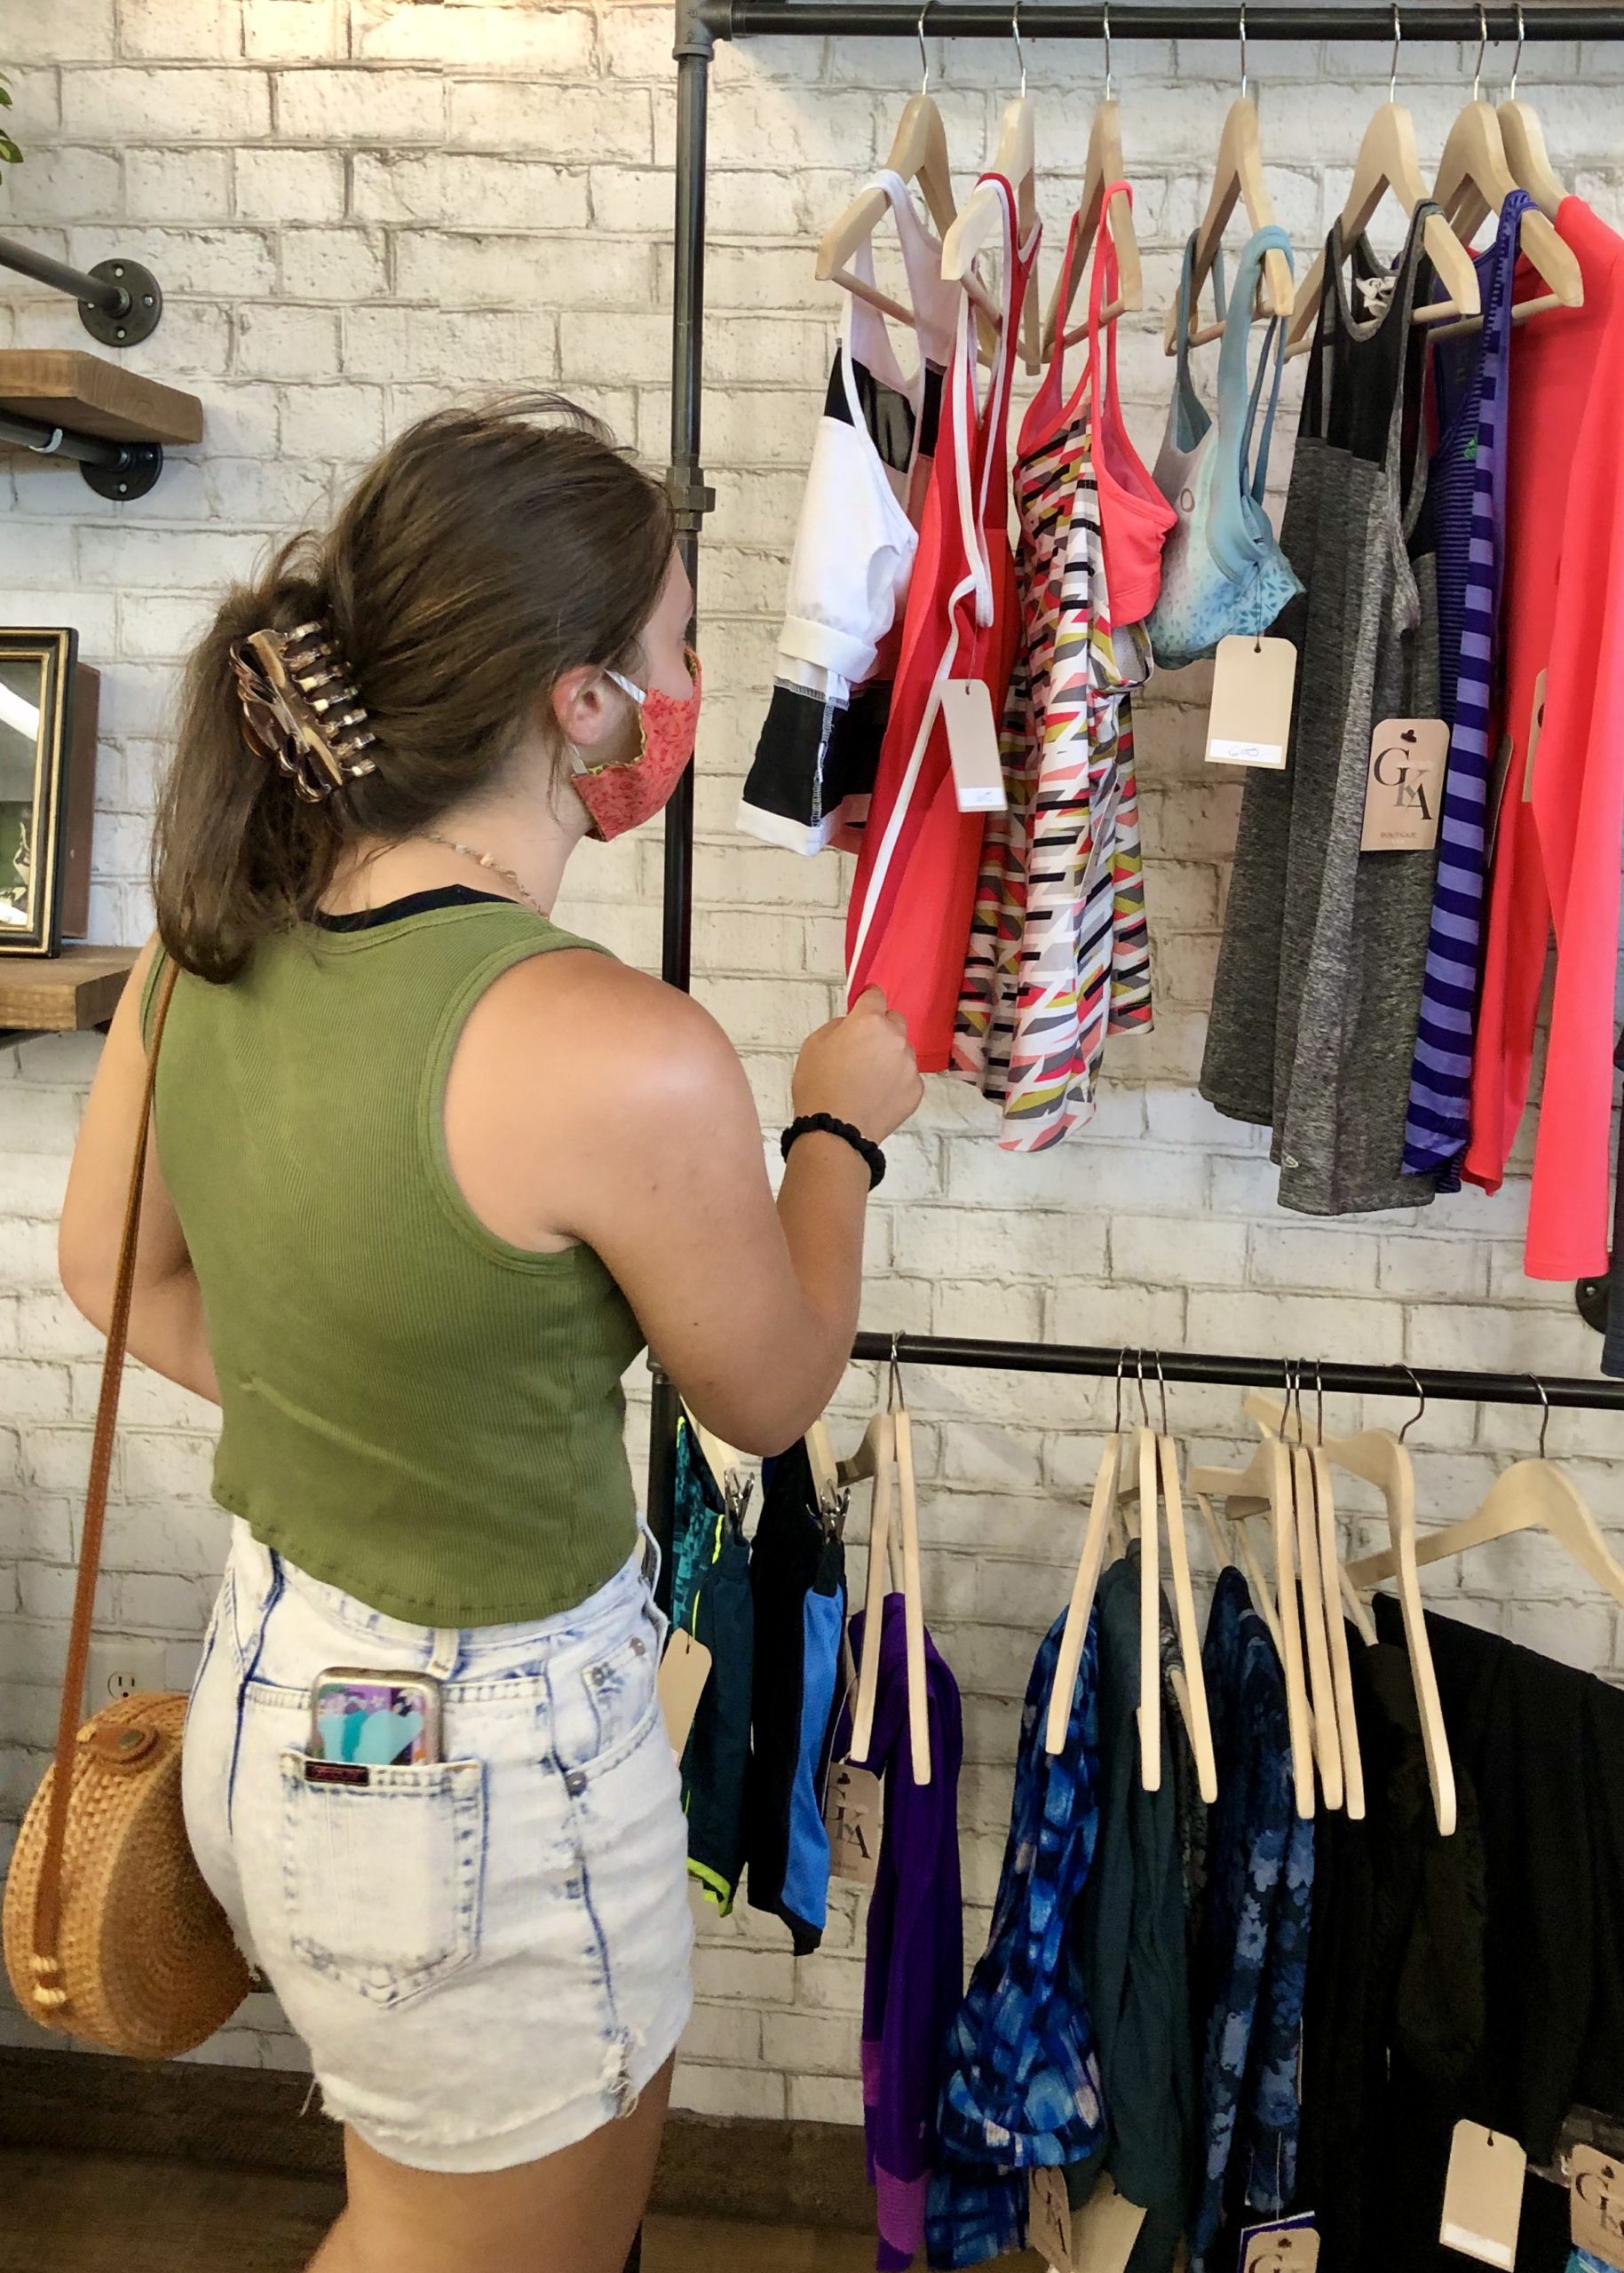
(119, 1669)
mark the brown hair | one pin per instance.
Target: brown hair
(483, 555)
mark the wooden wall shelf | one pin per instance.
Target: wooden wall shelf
(65, 994)
(70, 387)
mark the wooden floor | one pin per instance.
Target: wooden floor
(71, 2213)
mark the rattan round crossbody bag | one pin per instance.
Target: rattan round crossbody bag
(111, 1935)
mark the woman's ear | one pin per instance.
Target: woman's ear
(581, 706)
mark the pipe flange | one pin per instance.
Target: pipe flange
(133, 476)
(143, 306)
(1590, 1301)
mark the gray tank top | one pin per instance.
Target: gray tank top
(1318, 991)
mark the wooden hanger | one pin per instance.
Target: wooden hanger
(1530, 1495)
(918, 153)
(1102, 167)
(1381, 1459)
(1231, 1543)
(1265, 1481)
(1238, 178)
(1336, 1631)
(1387, 161)
(1143, 1484)
(982, 218)
(1316, 1630)
(824, 1468)
(1525, 140)
(1073, 1634)
(887, 1448)
(1192, 1695)
(1473, 182)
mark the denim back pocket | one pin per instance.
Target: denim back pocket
(382, 1883)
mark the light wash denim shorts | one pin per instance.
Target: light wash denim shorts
(488, 1958)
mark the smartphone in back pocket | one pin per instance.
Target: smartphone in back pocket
(361, 1717)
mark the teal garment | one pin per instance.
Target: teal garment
(712, 1600)
(1132, 1949)
(1223, 570)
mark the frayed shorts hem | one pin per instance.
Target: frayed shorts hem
(531, 2142)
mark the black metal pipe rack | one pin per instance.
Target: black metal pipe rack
(120, 302)
(699, 25)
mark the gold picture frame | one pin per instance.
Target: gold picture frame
(48, 707)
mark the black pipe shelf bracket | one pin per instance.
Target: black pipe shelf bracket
(120, 301)
(117, 471)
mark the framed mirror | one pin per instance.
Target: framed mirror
(48, 705)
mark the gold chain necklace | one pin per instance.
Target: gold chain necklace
(495, 867)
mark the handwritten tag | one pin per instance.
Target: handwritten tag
(1482, 2195)
(1536, 727)
(1049, 2219)
(972, 746)
(1403, 787)
(1596, 2217)
(1249, 722)
(1284, 2246)
(683, 1671)
(852, 1816)
(1105, 2230)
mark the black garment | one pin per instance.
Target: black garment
(1544, 1748)
(1395, 1978)
(1130, 1939)
(1612, 1346)
(414, 903)
(798, 1591)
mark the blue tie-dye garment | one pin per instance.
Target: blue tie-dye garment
(1252, 1959)
(1022, 2085)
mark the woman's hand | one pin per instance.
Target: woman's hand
(860, 1068)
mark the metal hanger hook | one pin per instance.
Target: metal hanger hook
(1144, 1406)
(1516, 60)
(1243, 50)
(1105, 18)
(895, 1397)
(1121, 1368)
(1392, 77)
(1482, 42)
(1545, 1416)
(1019, 51)
(1162, 1384)
(924, 53)
(1419, 1409)
(1319, 1401)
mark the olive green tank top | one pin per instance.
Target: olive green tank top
(413, 1409)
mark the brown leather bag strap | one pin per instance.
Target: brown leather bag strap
(48, 1904)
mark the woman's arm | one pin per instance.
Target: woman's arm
(166, 1314)
(589, 1102)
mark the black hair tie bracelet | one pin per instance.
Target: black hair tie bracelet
(807, 1121)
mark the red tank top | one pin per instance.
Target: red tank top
(908, 922)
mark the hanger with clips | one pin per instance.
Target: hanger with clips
(1102, 167)
(1387, 160)
(1015, 158)
(918, 153)
(1237, 180)
(1474, 180)
(1530, 1495)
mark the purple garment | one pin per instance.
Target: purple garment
(913, 1977)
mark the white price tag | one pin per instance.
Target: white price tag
(972, 746)
(1048, 2219)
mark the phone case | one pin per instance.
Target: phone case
(366, 1718)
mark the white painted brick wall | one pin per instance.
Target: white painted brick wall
(356, 211)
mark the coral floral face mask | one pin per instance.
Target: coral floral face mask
(619, 796)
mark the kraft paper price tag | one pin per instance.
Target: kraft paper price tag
(1482, 2195)
(972, 746)
(1049, 2219)
(1285, 2246)
(1596, 2217)
(1105, 2230)
(852, 1815)
(1249, 722)
(1403, 787)
(1536, 727)
(683, 1671)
